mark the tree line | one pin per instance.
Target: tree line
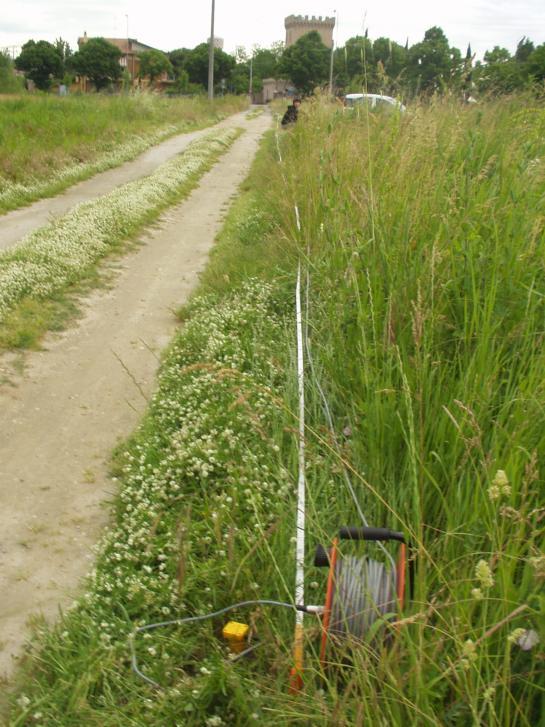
(47, 63)
(381, 66)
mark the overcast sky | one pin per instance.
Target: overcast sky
(169, 24)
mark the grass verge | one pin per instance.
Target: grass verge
(424, 240)
(59, 258)
(49, 143)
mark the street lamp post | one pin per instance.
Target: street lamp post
(211, 56)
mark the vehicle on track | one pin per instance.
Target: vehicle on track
(374, 101)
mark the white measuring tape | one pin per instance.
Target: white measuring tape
(296, 679)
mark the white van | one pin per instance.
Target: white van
(372, 100)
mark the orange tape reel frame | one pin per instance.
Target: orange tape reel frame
(330, 592)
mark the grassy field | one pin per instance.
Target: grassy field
(48, 143)
(423, 237)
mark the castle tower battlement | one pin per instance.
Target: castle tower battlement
(298, 25)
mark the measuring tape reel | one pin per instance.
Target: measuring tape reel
(360, 590)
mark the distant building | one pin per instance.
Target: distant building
(296, 26)
(299, 25)
(131, 49)
(273, 88)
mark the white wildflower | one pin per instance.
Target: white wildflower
(55, 255)
(215, 721)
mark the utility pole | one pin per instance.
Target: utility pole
(129, 70)
(211, 56)
(332, 56)
(331, 71)
(251, 87)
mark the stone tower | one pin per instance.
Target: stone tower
(298, 25)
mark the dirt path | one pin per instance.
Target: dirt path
(85, 392)
(15, 225)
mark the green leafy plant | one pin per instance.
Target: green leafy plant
(99, 61)
(41, 62)
(153, 64)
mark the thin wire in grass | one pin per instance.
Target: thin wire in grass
(195, 619)
(325, 404)
(329, 418)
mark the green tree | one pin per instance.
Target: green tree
(9, 82)
(178, 60)
(182, 84)
(525, 48)
(391, 58)
(239, 79)
(196, 64)
(265, 63)
(500, 72)
(40, 62)
(306, 62)
(392, 55)
(153, 64)
(353, 62)
(536, 63)
(63, 49)
(65, 52)
(98, 60)
(432, 64)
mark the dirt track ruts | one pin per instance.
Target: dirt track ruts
(20, 222)
(83, 393)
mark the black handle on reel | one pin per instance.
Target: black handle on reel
(375, 534)
(360, 533)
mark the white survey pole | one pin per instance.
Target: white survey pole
(211, 55)
(298, 645)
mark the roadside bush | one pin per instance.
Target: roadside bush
(9, 82)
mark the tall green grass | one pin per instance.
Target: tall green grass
(426, 243)
(47, 143)
(424, 239)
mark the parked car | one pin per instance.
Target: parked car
(373, 101)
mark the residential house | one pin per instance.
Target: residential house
(130, 61)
